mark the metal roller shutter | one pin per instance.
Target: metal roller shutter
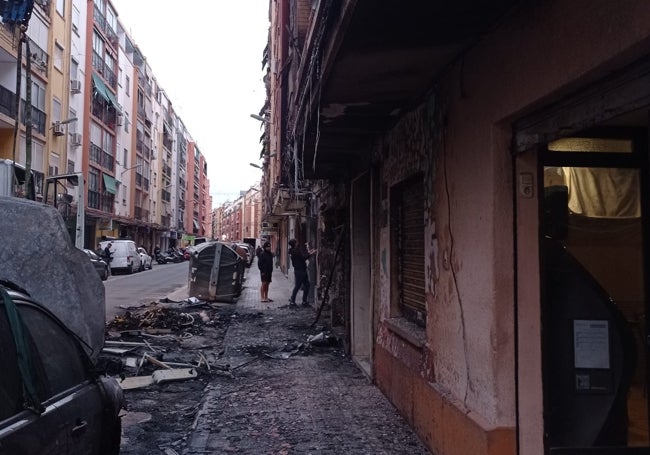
(411, 245)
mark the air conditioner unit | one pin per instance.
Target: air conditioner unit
(75, 138)
(120, 119)
(58, 129)
(75, 86)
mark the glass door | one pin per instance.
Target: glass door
(594, 303)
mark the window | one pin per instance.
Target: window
(407, 249)
(11, 391)
(58, 57)
(74, 70)
(56, 110)
(108, 143)
(60, 7)
(38, 93)
(98, 44)
(70, 166)
(38, 151)
(111, 19)
(76, 18)
(127, 85)
(124, 157)
(72, 126)
(59, 354)
(54, 164)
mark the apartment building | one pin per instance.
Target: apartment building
(97, 112)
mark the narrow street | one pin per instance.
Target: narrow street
(269, 389)
(143, 287)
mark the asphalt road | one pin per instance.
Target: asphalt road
(143, 287)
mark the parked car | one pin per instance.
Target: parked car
(53, 399)
(124, 255)
(145, 258)
(100, 265)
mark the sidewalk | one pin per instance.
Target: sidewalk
(314, 401)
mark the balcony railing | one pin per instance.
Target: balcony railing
(108, 162)
(167, 170)
(103, 202)
(168, 143)
(106, 71)
(141, 214)
(39, 57)
(104, 26)
(105, 112)
(95, 154)
(102, 158)
(142, 182)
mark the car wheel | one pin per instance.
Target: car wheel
(151, 265)
(104, 276)
(129, 269)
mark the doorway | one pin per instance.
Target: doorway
(593, 280)
(361, 305)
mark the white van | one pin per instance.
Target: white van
(124, 254)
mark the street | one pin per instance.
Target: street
(264, 386)
(143, 287)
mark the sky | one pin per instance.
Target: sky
(207, 56)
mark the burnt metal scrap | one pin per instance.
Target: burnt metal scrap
(147, 344)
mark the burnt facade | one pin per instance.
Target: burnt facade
(421, 149)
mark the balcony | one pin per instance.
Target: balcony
(104, 111)
(167, 143)
(104, 70)
(104, 27)
(39, 57)
(167, 170)
(141, 214)
(103, 202)
(101, 158)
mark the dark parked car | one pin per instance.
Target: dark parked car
(100, 265)
(52, 399)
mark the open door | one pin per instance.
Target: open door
(594, 302)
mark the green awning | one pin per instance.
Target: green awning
(100, 87)
(104, 92)
(109, 183)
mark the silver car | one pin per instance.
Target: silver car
(52, 399)
(145, 258)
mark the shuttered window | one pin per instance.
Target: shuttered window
(407, 220)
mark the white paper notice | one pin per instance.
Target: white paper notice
(591, 343)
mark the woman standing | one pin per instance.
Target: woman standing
(265, 264)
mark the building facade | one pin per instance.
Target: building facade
(98, 115)
(475, 179)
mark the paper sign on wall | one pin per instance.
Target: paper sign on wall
(591, 343)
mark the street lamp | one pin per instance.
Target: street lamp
(129, 168)
(256, 165)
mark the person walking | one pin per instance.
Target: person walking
(299, 256)
(265, 264)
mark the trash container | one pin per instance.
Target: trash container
(215, 272)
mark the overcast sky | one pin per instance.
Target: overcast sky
(206, 55)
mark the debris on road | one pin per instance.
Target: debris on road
(147, 345)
